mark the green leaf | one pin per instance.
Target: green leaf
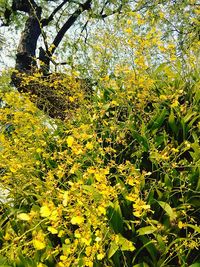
(161, 243)
(185, 129)
(172, 122)
(113, 248)
(147, 245)
(189, 115)
(160, 68)
(159, 139)
(150, 247)
(115, 217)
(194, 201)
(146, 230)
(196, 148)
(95, 193)
(160, 194)
(196, 264)
(168, 181)
(3, 262)
(125, 244)
(192, 122)
(194, 227)
(141, 264)
(122, 244)
(158, 120)
(142, 140)
(25, 261)
(168, 209)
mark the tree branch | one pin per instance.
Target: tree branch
(102, 15)
(45, 22)
(45, 56)
(24, 5)
(69, 23)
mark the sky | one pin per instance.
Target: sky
(8, 49)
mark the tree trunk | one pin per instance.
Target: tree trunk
(26, 51)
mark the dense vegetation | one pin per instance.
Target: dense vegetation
(115, 180)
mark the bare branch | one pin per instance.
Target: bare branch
(69, 23)
(45, 56)
(104, 6)
(45, 22)
(102, 15)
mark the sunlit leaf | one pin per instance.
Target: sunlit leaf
(146, 230)
(23, 217)
(113, 248)
(168, 210)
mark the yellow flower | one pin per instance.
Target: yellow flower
(39, 241)
(101, 210)
(91, 170)
(100, 256)
(67, 241)
(89, 263)
(61, 233)
(88, 251)
(70, 141)
(89, 146)
(38, 150)
(163, 97)
(77, 220)
(130, 180)
(98, 239)
(74, 168)
(63, 258)
(128, 30)
(175, 104)
(77, 150)
(86, 241)
(180, 225)
(71, 99)
(100, 177)
(41, 265)
(38, 245)
(175, 150)
(13, 169)
(114, 103)
(54, 215)
(77, 234)
(145, 207)
(45, 211)
(137, 214)
(132, 197)
(52, 230)
(65, 198)
(7, 236)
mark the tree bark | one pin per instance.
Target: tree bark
(26, 51)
